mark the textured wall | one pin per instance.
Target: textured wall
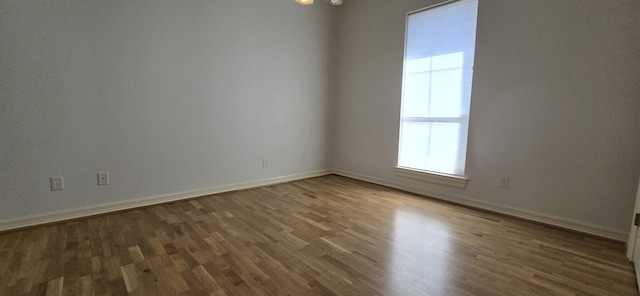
(555, 104)
(167, 96)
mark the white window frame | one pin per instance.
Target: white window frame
(418, 174)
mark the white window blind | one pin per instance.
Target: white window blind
(438, 70)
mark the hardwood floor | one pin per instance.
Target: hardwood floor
(323, 236)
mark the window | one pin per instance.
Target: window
(438, 69)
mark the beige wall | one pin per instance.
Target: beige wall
(175, 96)
(167, 96)
(555, 104)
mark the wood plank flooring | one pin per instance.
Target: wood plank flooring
(322, 236)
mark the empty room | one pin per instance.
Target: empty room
(327, 147)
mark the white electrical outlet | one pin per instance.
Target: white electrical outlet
(504, 182)
(56, 183)
(304, 157)
(265, 162)
(103, 178)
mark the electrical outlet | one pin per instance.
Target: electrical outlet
(504, 182)
(103, 178)
(304, 157)
(265, 162)
(56, 183)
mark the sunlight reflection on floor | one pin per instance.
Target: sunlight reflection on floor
(418, 240)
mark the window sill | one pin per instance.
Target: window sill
(432, 177)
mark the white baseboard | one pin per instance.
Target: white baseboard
(35, 220)
(519, 213)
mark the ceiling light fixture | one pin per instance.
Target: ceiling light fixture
(308, 2)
